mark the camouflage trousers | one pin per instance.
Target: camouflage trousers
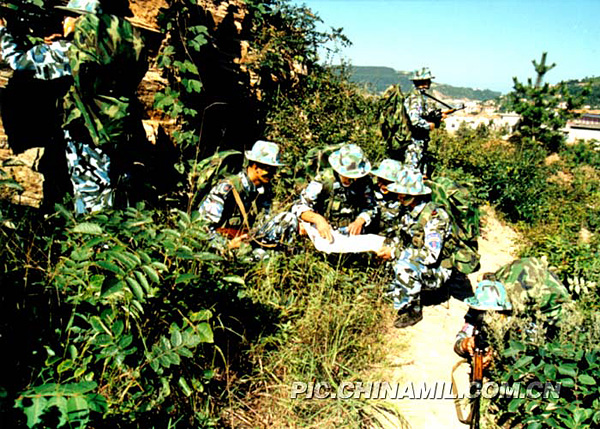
(411, 276)
(89, 172)
(413, 156)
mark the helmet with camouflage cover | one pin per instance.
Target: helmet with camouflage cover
(389, 169)
(410, 182)
(422, 74)
(350, 161)
(489, 295)
(265, 152)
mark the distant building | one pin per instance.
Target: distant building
(586, 127)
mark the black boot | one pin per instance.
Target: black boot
(409, 316)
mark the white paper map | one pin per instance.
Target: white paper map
(344, 243)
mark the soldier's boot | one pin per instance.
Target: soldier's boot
(409, 316)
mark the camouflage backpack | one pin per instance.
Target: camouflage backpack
(395, 122)
(461, 246)
(529, 281)
(316, 161)
(209, 171)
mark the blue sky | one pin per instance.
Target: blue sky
(474, 43)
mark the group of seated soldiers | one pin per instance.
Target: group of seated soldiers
(343, 198)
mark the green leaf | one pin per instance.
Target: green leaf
(97, 403)
(514, 405)
(176, 338)
(185, 388)
(200, 316)
(586, 379)
(110, 267)
(142, 280)
(135, 288)
(568, 369)
(567, 382)
(205, 333)
(151, 273)
(117, 328)
(125, 341)
(77, 408)
(207, 256)
(88, 228)
(185, 278)
(235, 279)
(35, 410)
(65, 365)
(523, 361)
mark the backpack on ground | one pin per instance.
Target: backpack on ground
(395, 122)
(461, 247)
(209, 171)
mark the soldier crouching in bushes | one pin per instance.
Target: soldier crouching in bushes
(417, 251)
(522, 287)
(232, 206)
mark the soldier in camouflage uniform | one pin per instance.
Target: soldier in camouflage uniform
(516, 288)
(102, 117)
(232, 206)
(340, 197)
(389, 207)
(418, 250)
(48, 62)
(418, 106)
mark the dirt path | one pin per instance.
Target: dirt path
(424, 353)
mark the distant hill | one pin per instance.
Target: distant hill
(576, 87)
(378, 79)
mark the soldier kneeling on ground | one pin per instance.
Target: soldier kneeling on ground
(417, 251)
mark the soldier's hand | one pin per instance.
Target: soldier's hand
(468, 345)
(2, 22)
(385, 252)
(355, 227)
(324, 229)
(236, 242)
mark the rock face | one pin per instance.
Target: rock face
(220, 17)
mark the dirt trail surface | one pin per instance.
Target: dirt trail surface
(424, 353)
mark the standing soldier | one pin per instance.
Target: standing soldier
(418, 251)
(340, 197)
(48, 62)
(103, 125)
(418, 107)
(389, 207)
(231, 207)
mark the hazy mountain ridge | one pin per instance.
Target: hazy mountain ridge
(378, 79)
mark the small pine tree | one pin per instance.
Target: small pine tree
(544, 108)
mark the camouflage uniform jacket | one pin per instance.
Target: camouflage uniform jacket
(417, 105)
(220, 209)
(424, 230)
(108, 63)
(340, 205)
(47, 61)
(389, 213)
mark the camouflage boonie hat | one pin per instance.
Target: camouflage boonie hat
(350, 161)
(82, 6)
(389, 169)
(265, 152)
(410, 182)
(489, 295)
(422, 74)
